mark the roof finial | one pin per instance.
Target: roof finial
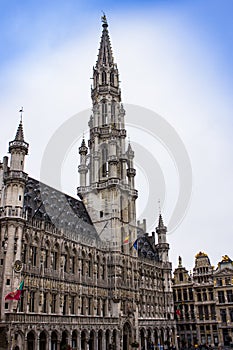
(21, 114)
(159, 205)
(104, 20)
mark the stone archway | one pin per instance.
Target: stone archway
(107, 339)
(92, 340)
(42, 341)
(114, 339)
(127, 336)
(83, 340)
(142, 337)
(31, 341)
(74, 339)
(156, 337)
(54, 340)
(100, 339)
(64, 340)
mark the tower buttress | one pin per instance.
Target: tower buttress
(108, 192)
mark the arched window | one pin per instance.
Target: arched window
(104, 78)
(104, 161)
(113, 111)
(104, 113)
(112, 78)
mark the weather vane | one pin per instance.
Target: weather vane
(159, 205)
(21, 114)
(104, 18)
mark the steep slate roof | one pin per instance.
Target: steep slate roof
(45, 203)
(146, 247)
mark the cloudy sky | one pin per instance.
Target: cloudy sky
(175, 59)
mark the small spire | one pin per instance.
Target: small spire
(161, 224)
(19, 134)
(179, 261)
(159, 206)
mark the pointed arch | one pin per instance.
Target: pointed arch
(104, 78)
(104, 112)
(127, 335)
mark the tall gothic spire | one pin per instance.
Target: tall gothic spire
(105, 72)
(107, 172)
(105, 56)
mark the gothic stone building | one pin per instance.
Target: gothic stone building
(85, 285)
(205, 301)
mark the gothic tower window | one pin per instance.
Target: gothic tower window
(96, 79)
(112, 78)
(113, 111)
(104, 78)
(104, 161)
(104, 113)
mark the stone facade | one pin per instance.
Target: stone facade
(93, 278)
(204, 302)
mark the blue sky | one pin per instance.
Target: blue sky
(175, 57)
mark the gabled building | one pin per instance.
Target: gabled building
(203, 302)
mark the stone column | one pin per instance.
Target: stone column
(48, 346)
(104, 341)
(37, 342)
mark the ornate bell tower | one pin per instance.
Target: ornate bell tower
(106, 167)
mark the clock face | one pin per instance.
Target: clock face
(18, 266)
